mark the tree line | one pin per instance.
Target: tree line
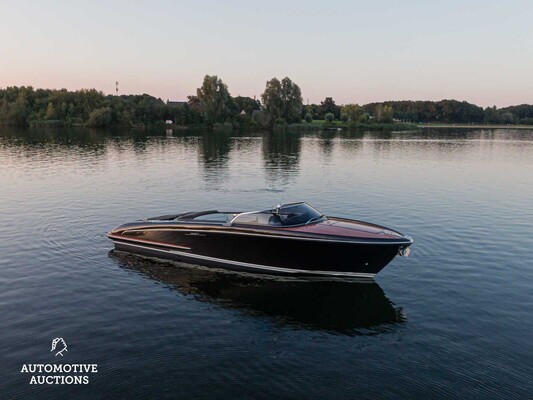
(443, 111)
(281, 103)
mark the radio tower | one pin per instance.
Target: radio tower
(116, 87)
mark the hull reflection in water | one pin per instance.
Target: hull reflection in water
(342, 307)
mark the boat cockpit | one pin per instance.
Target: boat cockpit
(290, 214)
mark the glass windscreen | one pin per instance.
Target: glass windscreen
(296, 214)
(214, 217)
(286, 215)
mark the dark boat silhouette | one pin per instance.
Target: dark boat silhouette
(292, 239)
(334, 306)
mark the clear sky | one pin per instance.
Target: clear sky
(353, 51)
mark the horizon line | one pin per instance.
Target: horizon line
(258, 97)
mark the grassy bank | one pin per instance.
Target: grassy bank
(377, 126)
(477, 126)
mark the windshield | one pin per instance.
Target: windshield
(297, 214)
(285, 215)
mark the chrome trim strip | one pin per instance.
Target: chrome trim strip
(257, 266)
(243, 213)
(380, 242)
(111, 236)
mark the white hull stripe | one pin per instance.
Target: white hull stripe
(254, 266)
(152, 242)
(371, 241)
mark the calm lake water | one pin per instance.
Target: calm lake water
(452, 321)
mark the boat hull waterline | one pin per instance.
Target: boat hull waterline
(329, 247)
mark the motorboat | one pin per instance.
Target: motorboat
(290, 239)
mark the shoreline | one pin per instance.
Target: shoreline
(475, 126)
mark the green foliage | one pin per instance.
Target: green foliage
(222, 127)
(247, 104)
(50, 112)
(526, 121)
(282, 100)
(354, 112)
(48, 122)
(215, 99)
(446, 111)
(280, 121)
(24, 105)
(184, 114)
(101, 118)
(292, 97)
(329, 106)
(521, 112)
(19, 112)
(492, 115)
(387, 115)
(396, 126)
(329, 117)
(273, 102)
(383, 113)
(259, 118)
(282, 104)
(507, 118)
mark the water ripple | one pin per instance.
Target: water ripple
(452, 321)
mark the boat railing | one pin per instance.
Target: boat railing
(243, 213)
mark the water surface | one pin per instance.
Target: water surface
(452, 321)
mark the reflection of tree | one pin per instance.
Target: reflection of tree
(350, 140)
(281, 154)
(215, 148)
(326, 142)
(341, 307)
(87, 143)
(56, 141)
(214, 155)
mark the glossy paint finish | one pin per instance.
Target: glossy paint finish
(336, 247)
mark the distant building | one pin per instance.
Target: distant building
(176, 103)
(194, 104)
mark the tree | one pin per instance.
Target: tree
(388, 114)
(247, 104)
(101, 117)
(273, 101)
(308, 117)
(18, 113)
(50, 112)
(520, 112)
(215, 99)
(383, 113)
(329, 117)
(329, 106)
(353, 111)
(292, 97)
(507, 118)
(282, 100)
(492, 116)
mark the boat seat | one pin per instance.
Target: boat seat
(274, 220)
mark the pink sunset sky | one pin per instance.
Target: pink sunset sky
(355, 52)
